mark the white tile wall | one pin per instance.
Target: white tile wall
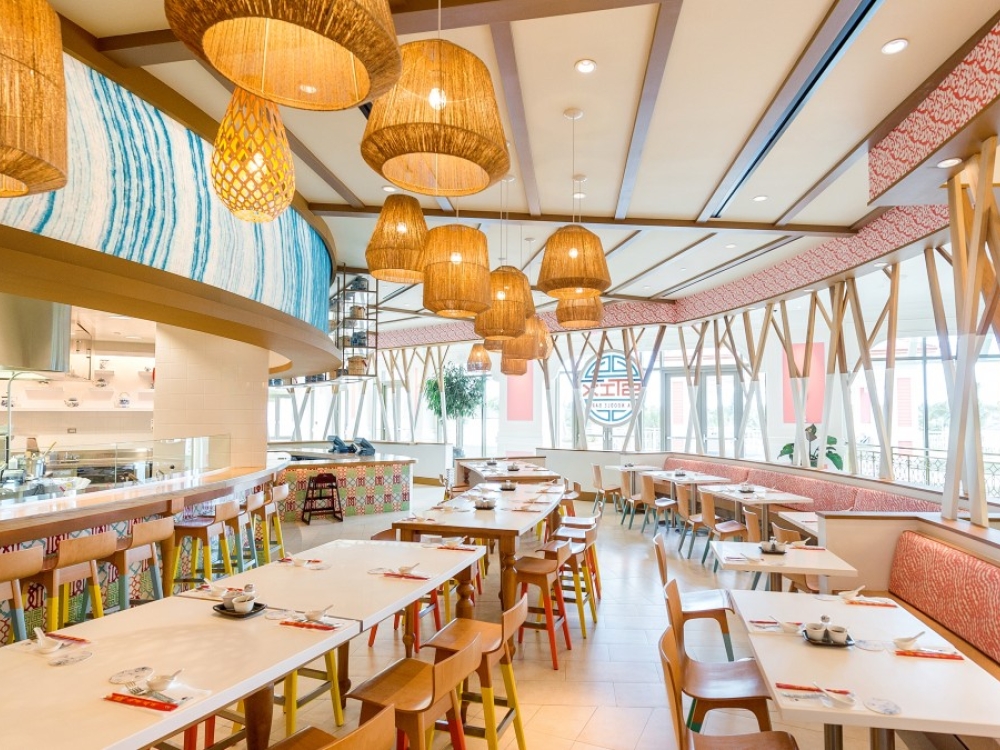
(206, 385)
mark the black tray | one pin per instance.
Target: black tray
(770, 552)
(746, 492)
(827, 641)
(257, 609)
(508, 489)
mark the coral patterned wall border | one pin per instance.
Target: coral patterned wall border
(971, 87)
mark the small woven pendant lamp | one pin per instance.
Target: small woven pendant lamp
(318, 55)
(493, 345)
(33, 100)
(479, 360)
(510, 366)
(252, 168)
(396, 250)
(438, 131)
(534, 343)
(580, 313)
(506, 318)
(457, 274)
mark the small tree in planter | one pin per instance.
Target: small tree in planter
(831, 449)
(463, 395)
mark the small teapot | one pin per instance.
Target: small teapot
(773, 545)
(124, 400)
(746, 487)
(72, 402)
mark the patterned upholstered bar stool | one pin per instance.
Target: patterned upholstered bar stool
(75, 560)
(139, 548)
(201, 532)
(14, 566)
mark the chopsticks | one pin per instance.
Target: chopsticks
(407, 575)
(67, 638)
(953, 655)
(809, 688)
(308, 625)
(869, 603)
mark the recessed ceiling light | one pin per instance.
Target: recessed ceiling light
(895, 46)
(586, 66)
(579, 196)
(645, 286)
(949, 163)
(305, 88)
(389, 189)
(119, 317)
(134, 338)
(759, 198)
(731, 246)
(808, 291)
(683, 268)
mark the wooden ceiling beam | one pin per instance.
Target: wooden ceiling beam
(602, 222)
(656, 63)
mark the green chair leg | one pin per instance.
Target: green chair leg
(708, 546)
(729, 646)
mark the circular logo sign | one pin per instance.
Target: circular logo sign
(612, 403)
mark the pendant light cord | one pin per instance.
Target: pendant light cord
(573, 173)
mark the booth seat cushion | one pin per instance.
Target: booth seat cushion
(951, 586)
(825, 495)
(880, 500)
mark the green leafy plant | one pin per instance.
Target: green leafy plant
(463, 393)
(811, 436)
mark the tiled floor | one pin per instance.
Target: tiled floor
(608, 692)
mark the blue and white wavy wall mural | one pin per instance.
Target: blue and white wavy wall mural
(139, 189)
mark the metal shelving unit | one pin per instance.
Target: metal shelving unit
(354, 325)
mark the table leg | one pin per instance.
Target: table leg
(765, 519)
(168, 551)
(774, 581)
(882, 739)
(343, 671)
(411, 620)
(833, 737)
(508, 578)
(463, 608)
(259, 708)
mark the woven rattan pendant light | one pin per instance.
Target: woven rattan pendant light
(320, 54)
(580, 313)
(438, 131)
(252, 168)
(493, 345)
(574, 265)
(510, 366)
(32, 100)
(396, 250)
(506, 317)
(479, 360)
(457, 274)
(532, 344)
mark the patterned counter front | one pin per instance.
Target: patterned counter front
(380, 486)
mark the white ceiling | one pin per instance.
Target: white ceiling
(727, 61)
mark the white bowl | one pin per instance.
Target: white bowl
(452, 541)
(160, 682)
(905, 644)
(243, 604)
(790, 627)
(48, 646)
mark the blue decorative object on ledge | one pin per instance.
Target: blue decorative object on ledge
(139, 189)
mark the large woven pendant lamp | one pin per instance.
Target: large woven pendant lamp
(574, 265)
(493, 345)
(479, 360)
(510, 366)
(457, 274)
(580, 313)
(532, 344)
(396, 250)
(32, 100)
(438, 131)
(506, 317)
(320, 54)
(252, 168)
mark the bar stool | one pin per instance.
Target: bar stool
(243, 530)
(201, 532)
(421, 693)
(495, 641)
(15, 565)
(75, 560)
(378, 733)
(270, 519)
(567, 533)
(718, 529)
(544, 573)
(577, 577)
(602, 492)
(142, 546)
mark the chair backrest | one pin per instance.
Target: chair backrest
(255, 502)
(752, 520)
(227, 511)
(378, 733)
(86, 548)
(389, 535)
(647, 489)
(670, 660)
(675, 611)
(21, 563)
(562, 550)
(707, 509)
(785, 536)
(682, 493)
(598, 479)
(149, 532)
(448, 673)
(279, 492)
(514, 618)
(660, 546)
(625, 483)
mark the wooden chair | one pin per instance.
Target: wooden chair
(421, 693)
(717, 528)
(244, 532)
(654, 505)
(143, 546)
(704, 604)
(602, 492)
(629, 501)
(752, 520)
(578, 535)
(576, 576)
(670, 659)
(452, 490)
(690, 521)
(711, 685)
(378, 733)
(201, 532)
(16, 565)
(495, 640)
(75, 560)
(270, 519)
(544, 573)
(807, 584)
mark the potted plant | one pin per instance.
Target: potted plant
(831, 449)
(463, 393)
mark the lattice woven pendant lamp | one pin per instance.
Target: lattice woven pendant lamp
(32, 100)
(438, 131)
(574, 265)
(457, 274)
(479, 360)
(320, 54)
(396, 250)
(580, 313)
(252, 168)
(535, 343)
(511, 366)
(506, 317)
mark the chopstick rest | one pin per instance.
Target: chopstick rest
(954, 656)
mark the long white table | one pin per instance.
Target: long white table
(934, 695)
(748, 556)
(763, 497)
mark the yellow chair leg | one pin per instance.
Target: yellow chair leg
(490, 717)
(266, 540)
(291, 702)
(578, 593)
(177, 562)
(277, 534)
(591, 596)
(227, 555)
(95, 597)
(446, 590)
(240, 709)
(507, 670)
(429, 737)
(54, 608)
(207, 560)
(331, 673)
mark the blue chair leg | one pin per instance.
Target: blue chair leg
(694, 535)
(631, 518)
(729, 646)
(708, 546)
(680, 544)
(756, 580)
(123, 592)
(20, 631)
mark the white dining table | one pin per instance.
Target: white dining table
(931, 694)
(804, 520)
(47, 706)
(807, 561)
(764, 497)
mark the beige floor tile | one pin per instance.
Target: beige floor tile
(615, 728)
(561, 721)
